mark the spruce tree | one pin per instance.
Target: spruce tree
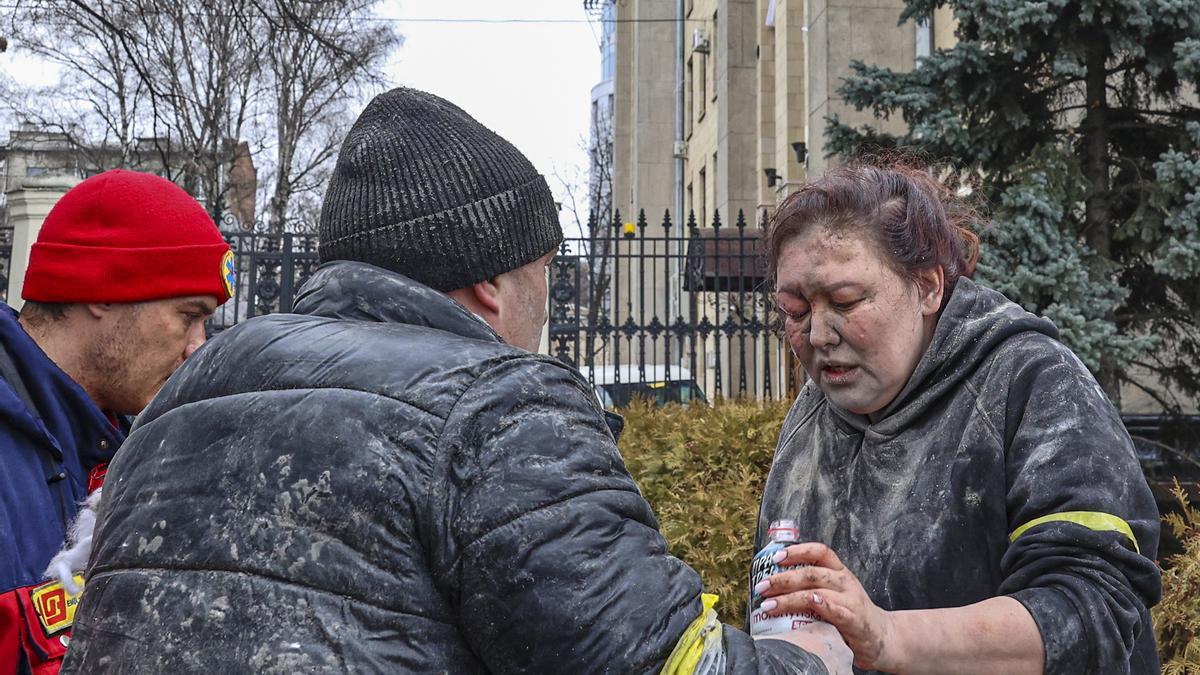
(1081, 120)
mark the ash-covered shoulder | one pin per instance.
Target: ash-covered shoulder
(1033, 353)
(1033, 366)
(809, 402)
(420, 366)
(535, 376)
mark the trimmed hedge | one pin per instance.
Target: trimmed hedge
(702, 469)
(1177, 617)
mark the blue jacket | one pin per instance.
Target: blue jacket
(46, 455)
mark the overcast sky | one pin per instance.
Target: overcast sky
(529, 82)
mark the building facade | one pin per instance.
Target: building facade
(32, 152)
(720, 105)
(718, 111)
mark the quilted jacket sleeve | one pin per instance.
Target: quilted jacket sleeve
(1083, 521)
(551, 554)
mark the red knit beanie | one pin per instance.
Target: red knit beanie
(123, 236)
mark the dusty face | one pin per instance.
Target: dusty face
(141, 345)
(523, 303)
(858, 327)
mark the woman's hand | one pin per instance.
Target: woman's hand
(826, 588)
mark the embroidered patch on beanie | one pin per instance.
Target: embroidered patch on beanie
(229, 273)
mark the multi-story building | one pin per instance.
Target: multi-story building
(720, 105)
(33, 152)
(600, 141)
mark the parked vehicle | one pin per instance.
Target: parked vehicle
(616, 386)
(1168, 446)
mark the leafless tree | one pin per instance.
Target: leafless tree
(202, 61)
(590, 203)
(322, 56)
(203, 85)
(95, 107)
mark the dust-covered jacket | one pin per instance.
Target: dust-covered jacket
(1001, 468)
(377, 483)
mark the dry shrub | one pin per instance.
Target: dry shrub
(1177, 617)
(702, 469)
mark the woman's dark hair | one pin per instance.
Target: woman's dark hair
(916, 221)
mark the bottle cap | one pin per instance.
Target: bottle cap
(783, 530)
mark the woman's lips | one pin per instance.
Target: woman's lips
(838, 374)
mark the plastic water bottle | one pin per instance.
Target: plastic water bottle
(780, 535)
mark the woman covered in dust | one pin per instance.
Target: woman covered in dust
(973, 501)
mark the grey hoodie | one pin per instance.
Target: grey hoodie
(999, 425)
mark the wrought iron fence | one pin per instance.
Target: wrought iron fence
(664, 310)
(6, 245)
(270, 269)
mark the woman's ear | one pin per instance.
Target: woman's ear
(931, 288)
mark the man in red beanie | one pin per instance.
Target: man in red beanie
(124, 272)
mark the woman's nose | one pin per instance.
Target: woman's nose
(821, 333)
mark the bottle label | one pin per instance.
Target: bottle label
(762, 567)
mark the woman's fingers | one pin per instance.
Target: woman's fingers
(811, 553)
(827, 604)
(799, 579)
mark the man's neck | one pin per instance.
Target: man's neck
(58, 340)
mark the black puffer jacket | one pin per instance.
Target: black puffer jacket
(378, 484)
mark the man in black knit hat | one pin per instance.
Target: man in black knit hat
(388, 480)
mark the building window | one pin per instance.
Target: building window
(715, 179)
(33, 171)
(924, 38)
(702, 83)
(688, 82)
(713, 52)
(703, 210)
(691, 201)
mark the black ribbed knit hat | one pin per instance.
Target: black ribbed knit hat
(423, 189)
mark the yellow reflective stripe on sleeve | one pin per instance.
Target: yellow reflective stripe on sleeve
(686, 655)
(1092, 520)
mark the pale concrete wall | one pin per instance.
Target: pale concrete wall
(1135, 401)
(737, 179)
(650, 113)
(944, 25)
(725, 111)
(644, 163)
(790, 76)
(623, 119)
(705, 109)
(28, 206)
(840, 31)
(766, 105)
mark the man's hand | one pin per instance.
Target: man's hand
(823, 641)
